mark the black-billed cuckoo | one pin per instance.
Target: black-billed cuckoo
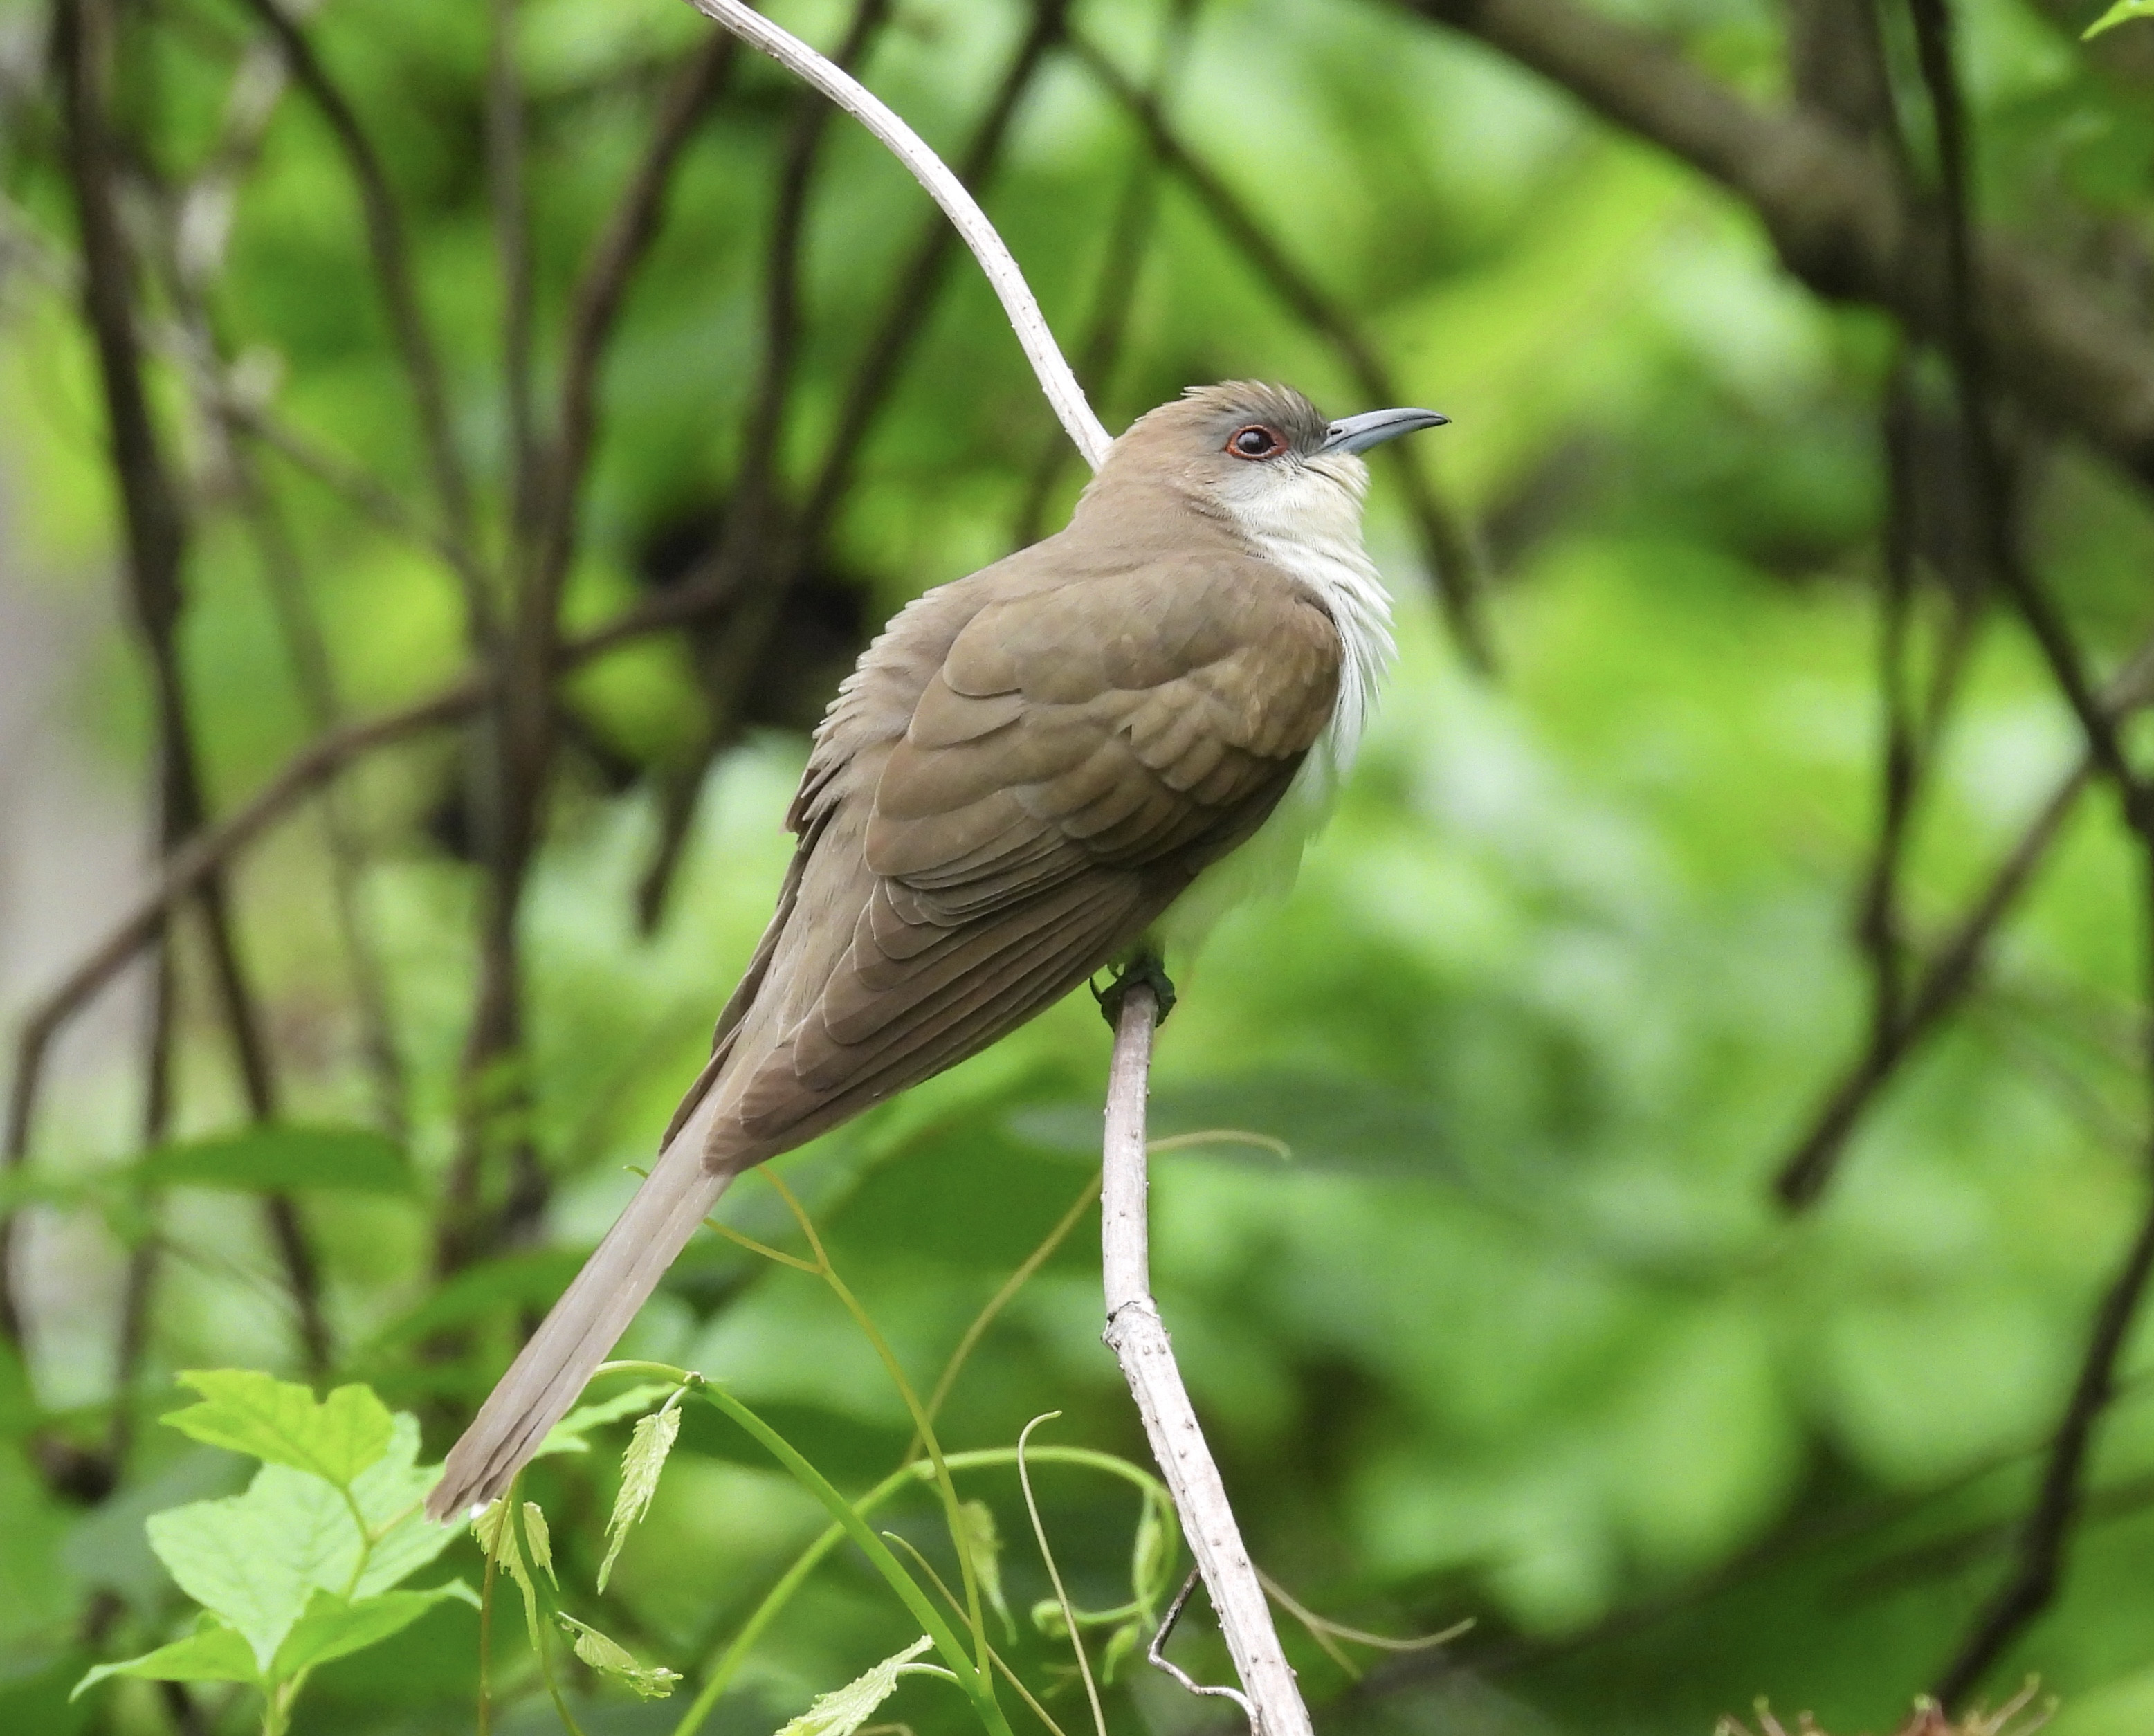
(1026, 770)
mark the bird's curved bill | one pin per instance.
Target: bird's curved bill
(1358, 433)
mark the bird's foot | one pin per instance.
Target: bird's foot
(1145, 969)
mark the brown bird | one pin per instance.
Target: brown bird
(1022, 774)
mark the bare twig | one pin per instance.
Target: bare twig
(604, 281)
(1122, 262)
(1064, 394)
(1953, 968)
(2039, 1569)
(754, 531)
(1445, 545)
(390, 252)
(511, 240)
(154, 523)
(907, 309)
(1944, 983)
(1156, 1653)
(1140, 1342)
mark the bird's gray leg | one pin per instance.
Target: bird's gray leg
(1143, 967)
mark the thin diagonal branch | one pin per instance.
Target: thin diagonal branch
(603, 283)
(1835, 214)
(156, 536)
(1121, 263)
(1952, 968)
(2039, 1569)
(885, 354)
(1445, 545)
(949, 191)
(755, 530)
(390, 252)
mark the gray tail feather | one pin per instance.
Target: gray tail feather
(587, 1322)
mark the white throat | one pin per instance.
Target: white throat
(1307, 522)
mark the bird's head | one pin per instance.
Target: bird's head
(1262, 458)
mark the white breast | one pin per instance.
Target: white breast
(1307, 522)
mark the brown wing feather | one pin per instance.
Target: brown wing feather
(1074, 761)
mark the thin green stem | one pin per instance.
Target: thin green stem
(976, 1681)
(774, 1600)
(1002, 1298)
(1055, 1575)
(922, 1424)
(513, 1520)
(951, 1598)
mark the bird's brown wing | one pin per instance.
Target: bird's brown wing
(1079, 756)
(1019, 777)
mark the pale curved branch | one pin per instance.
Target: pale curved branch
(1064, 394)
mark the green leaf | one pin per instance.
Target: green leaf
(258, 1559)
(609, 1658)
(977, 1521)
(496, 1537)
(283, 1160)
(213, 1653)
(2123, 13)
(571, 1434)
(281, 1424)
(392, 1494)
(844, 1710)
(639, 1469)
(255, 1559)
(333, 1628)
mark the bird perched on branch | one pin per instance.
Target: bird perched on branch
(1026, 780)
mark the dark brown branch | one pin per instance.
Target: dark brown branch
(390, 252)
(1834, 212)
(883, 357)
(754, 532)
(2043, 1541)
(515, 770)
(2038, 1568)
(603, 283)
(1878, 925)
(1445, 545)
(1942, 985)
(155, 531)
(512, 239)
(1122, 262)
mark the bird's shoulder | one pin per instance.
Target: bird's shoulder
(1183, 651)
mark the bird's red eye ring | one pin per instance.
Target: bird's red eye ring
(1256, 441)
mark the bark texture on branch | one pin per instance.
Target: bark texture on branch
(1835, 214)
(1138, 1338)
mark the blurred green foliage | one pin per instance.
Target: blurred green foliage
(1516, 1334)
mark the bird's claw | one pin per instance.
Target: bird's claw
(1147, 970)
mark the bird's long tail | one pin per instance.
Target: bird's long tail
(585, 1324)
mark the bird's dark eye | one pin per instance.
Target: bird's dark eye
(1255, 441)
